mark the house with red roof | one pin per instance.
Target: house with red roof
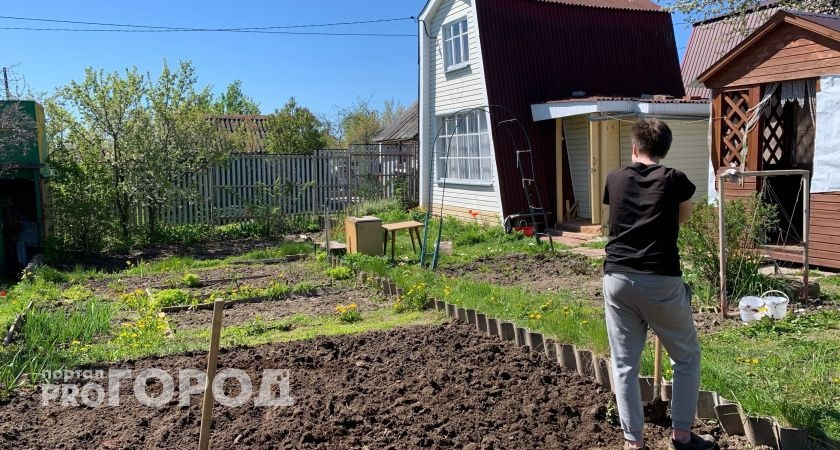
(554, 83)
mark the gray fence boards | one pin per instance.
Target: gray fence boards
(296, 184)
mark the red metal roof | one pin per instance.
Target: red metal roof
(642, 5)
(826, 20)
(534, 51)
(712, 39)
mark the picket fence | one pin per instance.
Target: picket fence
(295, 184)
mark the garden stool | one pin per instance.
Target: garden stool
(413, 228)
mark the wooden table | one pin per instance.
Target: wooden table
(413, 228)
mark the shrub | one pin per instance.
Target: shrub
(340, 273)
(349, 313)
(747, 223)
(191, 280)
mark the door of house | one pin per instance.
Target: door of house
(605, 156)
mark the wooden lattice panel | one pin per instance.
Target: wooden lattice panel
(735, 105)
(773, 134)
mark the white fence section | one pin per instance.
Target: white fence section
(296, 184)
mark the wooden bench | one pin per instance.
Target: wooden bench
(413, 228)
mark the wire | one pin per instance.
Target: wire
(169, 28)
(117, 30)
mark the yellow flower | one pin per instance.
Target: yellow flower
(584, 322)
(538, 316)
(75, 343)
(754, 361)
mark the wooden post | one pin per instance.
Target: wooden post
(595, 172)
(806, 234)
(212, 359)
(724, 306)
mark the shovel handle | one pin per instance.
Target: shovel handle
(657, 365)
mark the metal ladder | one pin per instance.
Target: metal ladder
(532, 195)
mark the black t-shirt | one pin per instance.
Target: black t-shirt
(644, 218)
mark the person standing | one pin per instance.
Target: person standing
(643, 285)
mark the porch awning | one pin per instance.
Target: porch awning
(614, 106)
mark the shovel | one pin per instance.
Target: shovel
(657, 410)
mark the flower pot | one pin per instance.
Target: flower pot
(584, 362)
(566, 355)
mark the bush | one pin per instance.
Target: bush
(747, 222)
(305, 288)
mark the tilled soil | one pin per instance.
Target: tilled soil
(215, 280)
(424, 387)
(321, 304)
(536, 273)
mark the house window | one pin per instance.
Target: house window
(466, 139)
(456, 44)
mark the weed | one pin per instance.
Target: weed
(171, 297)
(304, 288)
(349, 313)
(191, 280)
(277, 290)
(414, 299)
(117, 286)
(76, 293)
(340, 273)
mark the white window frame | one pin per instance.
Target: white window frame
(471, 143)
(462, 40)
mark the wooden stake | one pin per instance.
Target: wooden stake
(212, 359)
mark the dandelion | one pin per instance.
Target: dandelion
(538, 316)
(754, 361)
(75, 343)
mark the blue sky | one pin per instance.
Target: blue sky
(322, 72)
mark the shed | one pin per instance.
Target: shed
(776, 105)
(404, 130)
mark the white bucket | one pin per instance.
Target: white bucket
(776, 305)
(751, 308)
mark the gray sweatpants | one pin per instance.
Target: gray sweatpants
(634, 302)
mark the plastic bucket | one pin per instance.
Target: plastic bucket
(776, 304)
(751, 308)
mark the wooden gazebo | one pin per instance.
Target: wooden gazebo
(763, 118)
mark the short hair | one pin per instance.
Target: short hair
(652, 137)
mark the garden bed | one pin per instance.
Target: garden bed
(430, 386)
(321, 303)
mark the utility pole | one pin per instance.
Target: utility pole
(6, 82)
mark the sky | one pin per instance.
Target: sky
(324, 73)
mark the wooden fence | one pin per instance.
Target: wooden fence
(296, 184)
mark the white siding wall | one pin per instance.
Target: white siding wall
(689, 151)
(576, 130)
(450, 92)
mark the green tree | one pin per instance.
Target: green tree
(107, 106)
(17, 131)
(234, 101)
(149, 136)
(294, 129)
(700, 10)
(361, 122)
